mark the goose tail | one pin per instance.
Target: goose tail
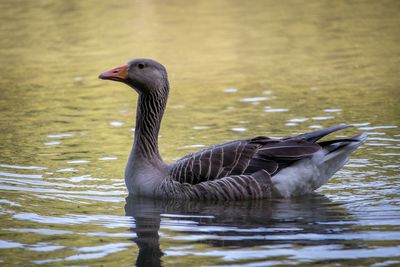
(309, 174)
(336, 155)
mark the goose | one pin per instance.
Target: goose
(250, 168)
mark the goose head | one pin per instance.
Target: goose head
(144, 75)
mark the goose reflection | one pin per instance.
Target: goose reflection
(240, 224)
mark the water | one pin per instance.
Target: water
(237, 69)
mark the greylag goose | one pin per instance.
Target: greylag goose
(251, 168)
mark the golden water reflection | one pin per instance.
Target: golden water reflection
(236, 68)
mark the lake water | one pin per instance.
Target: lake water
(237, 69)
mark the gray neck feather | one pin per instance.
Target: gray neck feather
(149, 113)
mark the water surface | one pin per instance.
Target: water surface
(237, 69)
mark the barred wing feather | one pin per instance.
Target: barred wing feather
(244, 156)
(214, 162)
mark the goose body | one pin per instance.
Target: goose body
(253, 168)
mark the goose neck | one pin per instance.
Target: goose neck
(149, 114)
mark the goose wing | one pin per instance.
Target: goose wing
(241, 157)
(214, 162)
(276, 155)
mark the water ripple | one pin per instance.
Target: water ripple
(30, 176)
(23, 167)
(108, 221)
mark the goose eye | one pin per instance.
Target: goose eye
(140, 65)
